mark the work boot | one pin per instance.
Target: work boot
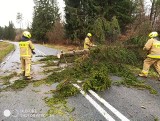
(142, 75)
(28, 77)
(23, 73)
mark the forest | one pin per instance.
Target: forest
(108, 21)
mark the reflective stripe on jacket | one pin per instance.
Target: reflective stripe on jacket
(153, 45)
(154, 56)
(26, 48)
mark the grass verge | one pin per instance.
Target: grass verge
(5, 48)
(63, 47)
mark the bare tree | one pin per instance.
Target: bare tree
(19, 19)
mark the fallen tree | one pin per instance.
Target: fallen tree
(72, 53)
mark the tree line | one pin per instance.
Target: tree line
(107, 20)
(8, 32)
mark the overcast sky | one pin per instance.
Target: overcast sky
(10, 8)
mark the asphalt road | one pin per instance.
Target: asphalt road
(116, 104)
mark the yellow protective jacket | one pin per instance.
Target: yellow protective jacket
(26, 48)
(87, 43)
(153, 46)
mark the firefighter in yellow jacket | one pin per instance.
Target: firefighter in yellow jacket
(26, 51)
(153, 58)
(87, 42)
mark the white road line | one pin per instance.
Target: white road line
(116, 112)
(95, 104)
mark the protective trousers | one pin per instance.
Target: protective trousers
(148, 62)
(26, 65)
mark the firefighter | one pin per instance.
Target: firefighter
(26, 51)
(153, 58)
(87, 43)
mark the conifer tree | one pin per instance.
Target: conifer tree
(8, 32)
(97, 17)
(45, 15)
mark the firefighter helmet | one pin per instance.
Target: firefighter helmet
(27, 34)
(153, 34)
(89, 34)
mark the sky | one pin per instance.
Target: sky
(147, 4)
(10, 8)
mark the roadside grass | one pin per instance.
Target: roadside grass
(63, 47)
(5, 48)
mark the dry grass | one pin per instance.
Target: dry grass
(64, 47)
(5, 48)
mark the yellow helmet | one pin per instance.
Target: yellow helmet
(27, 34)
(153, 34)
(89, 34)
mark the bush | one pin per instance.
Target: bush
(56, 34)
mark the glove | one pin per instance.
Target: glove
(33, 52)
(144, 48)
(94, 45)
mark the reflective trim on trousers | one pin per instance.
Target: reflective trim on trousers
(144, 72)
(154, 56)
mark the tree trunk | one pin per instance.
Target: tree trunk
(72, 53)
(152, 12)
